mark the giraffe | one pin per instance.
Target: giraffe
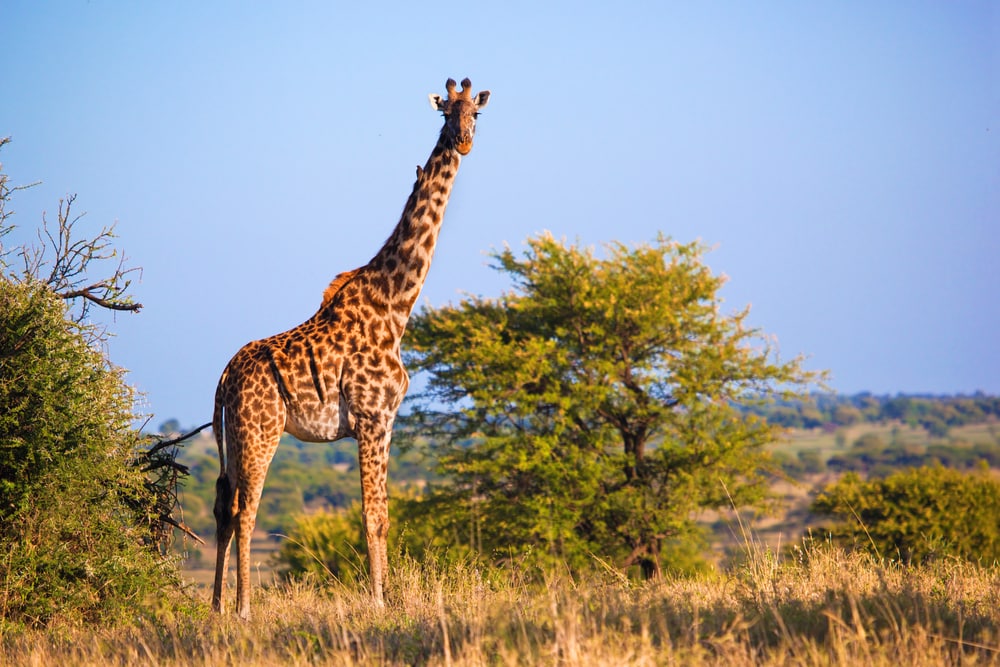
(339, 373)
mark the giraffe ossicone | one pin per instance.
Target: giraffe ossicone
(339, 373)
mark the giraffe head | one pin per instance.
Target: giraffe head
(460, 110)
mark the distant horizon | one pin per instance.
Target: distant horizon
(189, 429)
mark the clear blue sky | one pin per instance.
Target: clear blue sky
(842, 157)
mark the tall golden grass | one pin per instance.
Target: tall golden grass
(814, 605)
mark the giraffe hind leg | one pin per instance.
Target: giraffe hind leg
(224, 504)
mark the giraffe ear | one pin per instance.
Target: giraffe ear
(482, 98)
(437, 102)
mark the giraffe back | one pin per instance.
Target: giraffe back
(336, 284)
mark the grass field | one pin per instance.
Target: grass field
(811, 604)
(787, 524)
(817, 606)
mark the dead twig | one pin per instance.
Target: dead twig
(166, 475)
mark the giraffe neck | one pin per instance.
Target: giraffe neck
(405, 258)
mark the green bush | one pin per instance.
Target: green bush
(325, 544)
(77, 518)
(917, 514)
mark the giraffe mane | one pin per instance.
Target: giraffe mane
(336, 284)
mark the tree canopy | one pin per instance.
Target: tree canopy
(916, 514)
(593, 409)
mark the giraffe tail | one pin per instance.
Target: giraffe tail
(224, 492)
(218, 418)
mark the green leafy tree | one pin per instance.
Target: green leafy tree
(81, 502)
(916, 514)
(594, 409)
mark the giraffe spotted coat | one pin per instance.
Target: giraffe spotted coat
(339, 373)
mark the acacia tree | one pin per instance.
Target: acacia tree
(595, 408)
(84, 505)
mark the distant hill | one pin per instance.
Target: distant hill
(936, 414)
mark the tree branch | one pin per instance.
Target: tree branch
(66, 271)
(163, 444)
(88, 293)
(183, 528)
(163, 484)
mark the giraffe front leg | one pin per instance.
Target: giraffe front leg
(373, 457)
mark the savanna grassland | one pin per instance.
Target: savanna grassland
(817, 605)
(504, 572)
(771, 597)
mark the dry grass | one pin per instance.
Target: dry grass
(817, 606)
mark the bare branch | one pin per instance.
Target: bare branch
(72, 261)
(162, 444)
(88, 293)
(183, 528)
(5, 194)
(164, 481)
(164, 462)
